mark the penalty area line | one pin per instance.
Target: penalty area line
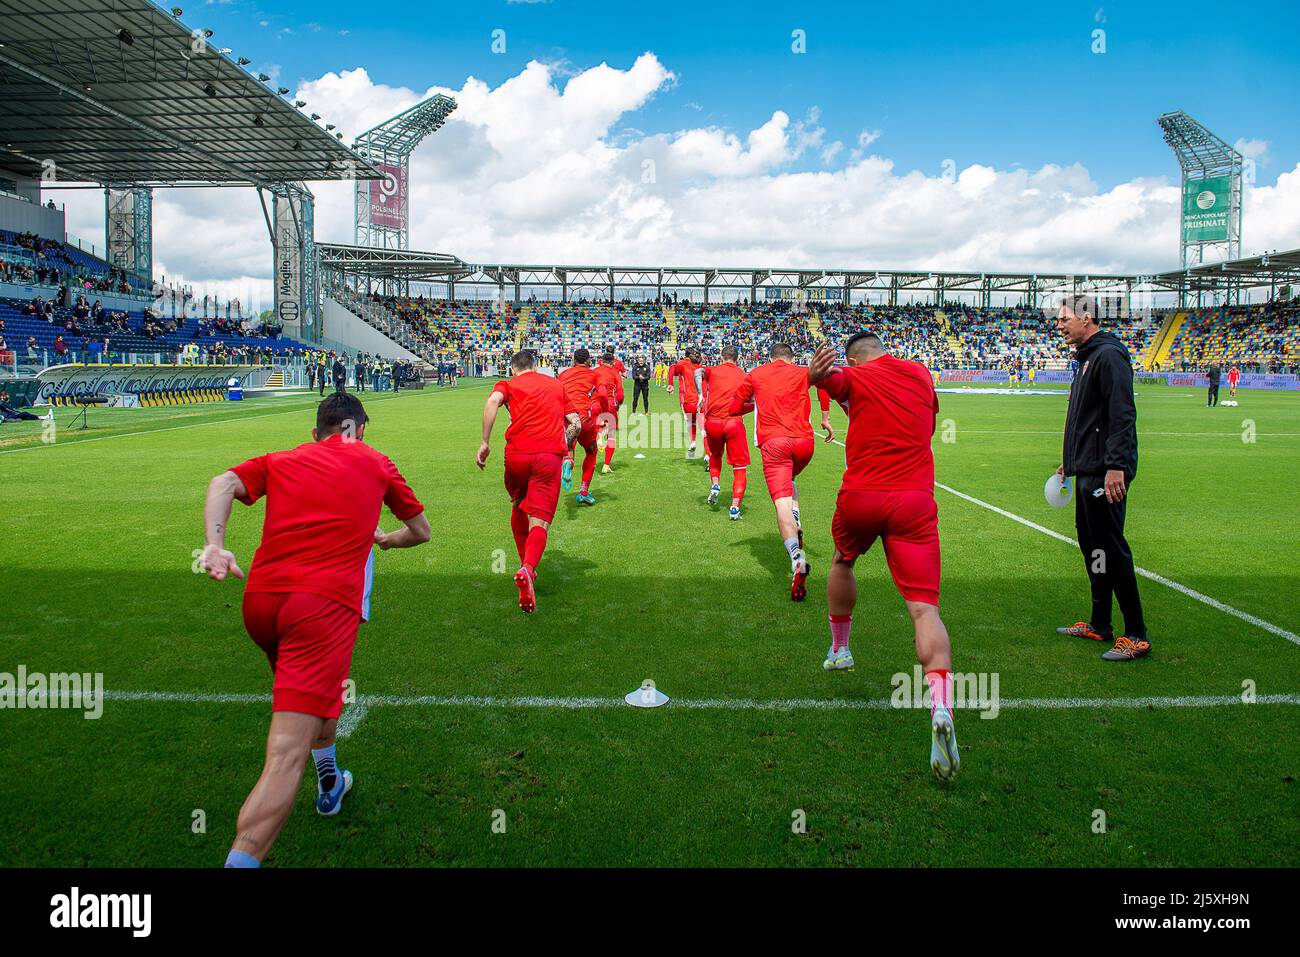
(1145, 573)
(353, 715)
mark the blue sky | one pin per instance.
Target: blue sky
(1004, 85)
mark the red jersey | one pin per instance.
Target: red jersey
(620, 369)
(892, 406)
(611, 380)
(721, 383)
(580, 385)
(537, 404)
(779, 391)
(1234, 375)
(686, 369)
(322, 508)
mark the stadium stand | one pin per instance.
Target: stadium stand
(1261, 337)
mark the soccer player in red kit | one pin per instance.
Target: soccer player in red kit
(689, 396)
(610, 400)
(308, 591)
(543, 420)
(1234, 377)
(888, 493)
(583, 387)
(779, 391)
(724, 429)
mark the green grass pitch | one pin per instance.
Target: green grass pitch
(99, 534)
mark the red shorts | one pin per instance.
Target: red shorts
(690, 407)
(587, 434)
(908, 523)
(728, 434)
(533, 481)
(308, 639)
(784, 458)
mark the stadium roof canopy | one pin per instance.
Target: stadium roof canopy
(121, 91)
(367, 262)
(1270, 269)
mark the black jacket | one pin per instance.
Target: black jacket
(1101, 421)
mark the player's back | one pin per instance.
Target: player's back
(323, 501)
(537, 404)
(721, 383)
(580, 384)
(781, 404)
(892, 405)
(609, 377)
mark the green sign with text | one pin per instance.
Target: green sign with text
(1206, 205)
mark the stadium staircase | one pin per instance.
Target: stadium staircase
(815, 326)
(521, 327)
(276, 381)
(954, 340)
(670, 320)
(1163, 341)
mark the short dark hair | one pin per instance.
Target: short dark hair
(729, 352)
(780, 350)
(581, 357)
(607, 358)
(867, 339)
(336, 410)
(1082, 306)
(522, 360)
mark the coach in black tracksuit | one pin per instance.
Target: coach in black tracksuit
(641, 383)
(1215, 375)
(1100, 450)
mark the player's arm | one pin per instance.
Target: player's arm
(1121, 412)
(699, 387)
(490, 409)
(217, 560)
(824, 403)
(673, 370)
(744, 396)
(572, 426)
(414, 531)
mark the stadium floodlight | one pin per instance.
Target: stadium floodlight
(177, 12)
(125, 36)
(264, 78)
(259, 120)
(207, 34)
(243, 61)
(300, 103)
(381, 208)
(1210, 219)
(209, 89)
(225, 51)
(283, 91)
(315, 116)
(329, 126)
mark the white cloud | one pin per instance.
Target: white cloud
(545, 168)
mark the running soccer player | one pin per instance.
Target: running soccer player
(888, 493)
(1234, 377)
(610, 399)
(724, 429)
(308, 591)
(779, 392)
(688, 397)
(543, 421)
(581, 385)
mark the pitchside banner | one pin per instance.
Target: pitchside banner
(809, 293)
(1206, 203)
(1249, 380)
(76, 380)
(387, 197)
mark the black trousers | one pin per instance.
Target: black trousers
(1107, 557)
(641, 387)
(1213, 397)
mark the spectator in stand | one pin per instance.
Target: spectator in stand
(60, 349)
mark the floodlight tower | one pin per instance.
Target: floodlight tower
(1210, 222)
(382, 220)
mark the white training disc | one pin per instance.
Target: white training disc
(1058, 490)
(646, 696)
(638, 456)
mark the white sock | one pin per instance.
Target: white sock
(797, 523)
(792, 546)
(324, 758)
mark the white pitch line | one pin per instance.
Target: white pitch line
(350, 719)
(579, 703)
(1145, 573)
